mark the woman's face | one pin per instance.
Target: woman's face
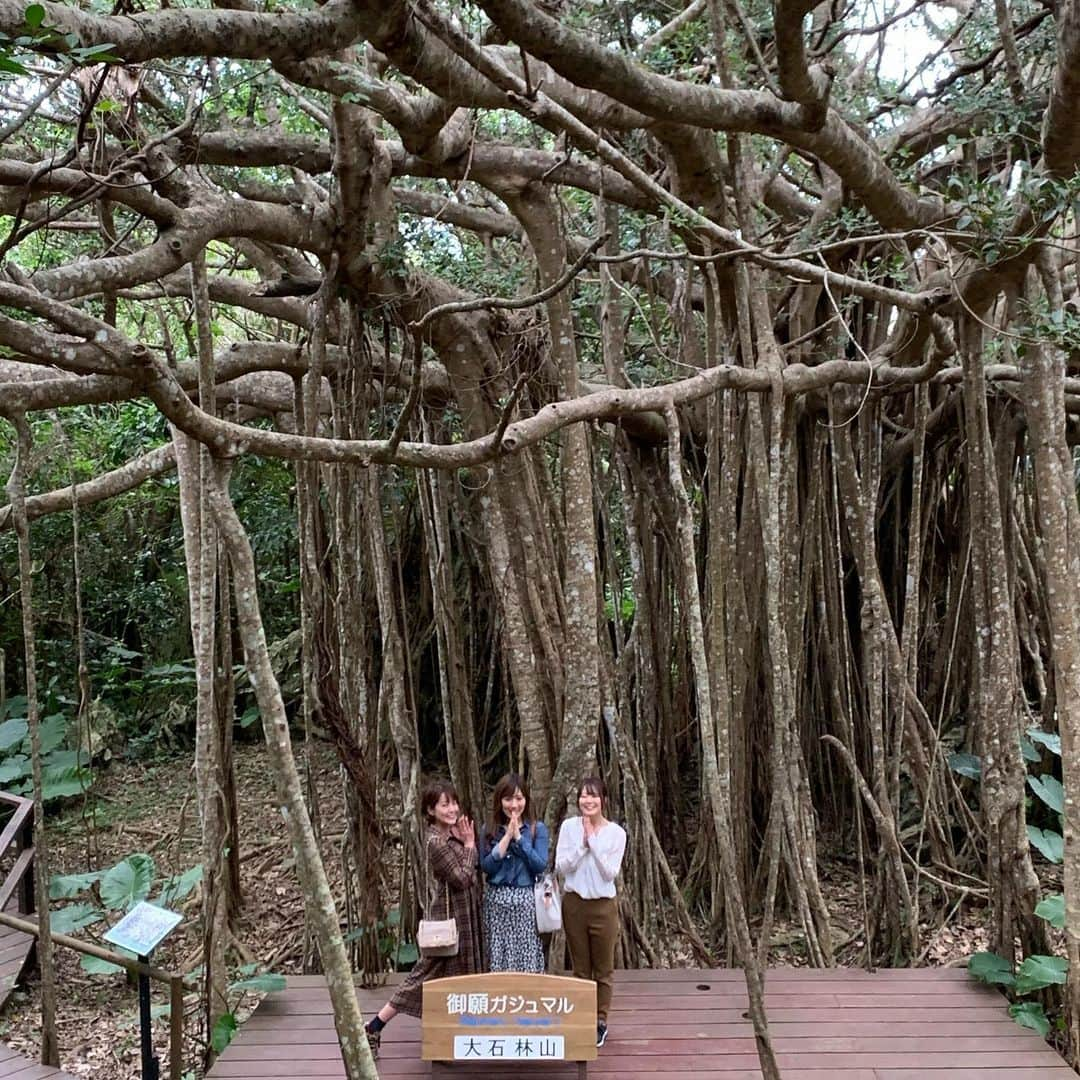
(446, 811)
(514, 805)
(590, 804)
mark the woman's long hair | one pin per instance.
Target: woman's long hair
(506, 787)
(594, 785)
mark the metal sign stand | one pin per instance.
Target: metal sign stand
(140, 931)
(151, 1067)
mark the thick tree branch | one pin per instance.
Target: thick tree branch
(1061, 127)
(837, 144)
(539, 107)
(799, 82)
(153, 35)
(107, 486)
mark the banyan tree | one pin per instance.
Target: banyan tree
(687, 393)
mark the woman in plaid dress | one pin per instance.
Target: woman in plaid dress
(453, 893)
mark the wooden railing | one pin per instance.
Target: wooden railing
(20, 830)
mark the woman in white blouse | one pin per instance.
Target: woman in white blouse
(588, 856)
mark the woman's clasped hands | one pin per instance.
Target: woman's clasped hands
(462, 830)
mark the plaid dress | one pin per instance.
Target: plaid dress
(453, 872)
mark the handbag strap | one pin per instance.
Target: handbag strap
(431, 878)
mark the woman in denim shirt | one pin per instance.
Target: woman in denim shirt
(513, 854)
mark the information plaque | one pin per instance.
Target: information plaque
(143, 928)
(509, 1016)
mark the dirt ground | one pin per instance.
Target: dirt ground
(150, 808)
(144, 807)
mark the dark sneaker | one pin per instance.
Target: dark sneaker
(601, 1034)
(374, 1039)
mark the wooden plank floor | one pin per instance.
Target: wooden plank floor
(15, 947)
(690, 1025)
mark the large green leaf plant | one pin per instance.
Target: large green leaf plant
(113, 892)
(1034, 973)
(64, 771)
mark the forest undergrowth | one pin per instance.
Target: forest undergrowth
(149, 807)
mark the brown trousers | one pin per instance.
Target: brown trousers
(592, 929)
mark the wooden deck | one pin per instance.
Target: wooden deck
(690, 1025)
(14, 951)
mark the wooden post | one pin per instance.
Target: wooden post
(26, 884)
(176, 1027)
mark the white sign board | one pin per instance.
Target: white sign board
(143, 928)
(509, 1047)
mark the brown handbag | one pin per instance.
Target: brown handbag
(438, 937)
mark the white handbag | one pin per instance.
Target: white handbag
(548, 904)
(437, 937)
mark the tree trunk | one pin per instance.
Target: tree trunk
(16, 490)
(1042, 378)
(319, 903)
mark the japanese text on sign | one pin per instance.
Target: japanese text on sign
(515, 1047)
(496, 1004)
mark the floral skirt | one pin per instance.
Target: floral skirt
(510, 929)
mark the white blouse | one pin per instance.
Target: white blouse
(589, 869)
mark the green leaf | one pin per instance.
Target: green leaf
(1027, 748)
(115, 649)
(63, 782)
(163, 670)
(65, 759)
(1049, 791)
(1049, 740)
(95, 966)
(95, 54)
(267, 983)
(407, 953)
(1030, 1014)
(12, 732)
(1051, 845)
(966, 765)
(74, 917)
(34, 16)
(12, 67)
(1038, 972)
(249, 716)
(1052, 909)
(223, 1032)
(53, 731)
(128, 882)
(176, 888)
(15, 768)
(64, 886)
(990, 968)
(14, 706)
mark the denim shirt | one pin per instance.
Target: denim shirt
(525, 859)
